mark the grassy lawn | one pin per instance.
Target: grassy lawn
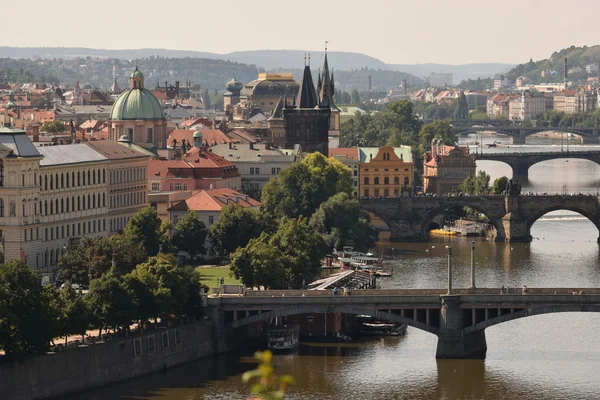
(209, 276)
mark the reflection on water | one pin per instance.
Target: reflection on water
(543, 357)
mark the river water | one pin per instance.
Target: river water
(553, 356)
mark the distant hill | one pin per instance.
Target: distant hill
(577, 57)
(384, 75)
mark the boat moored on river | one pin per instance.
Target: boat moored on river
(283, 337)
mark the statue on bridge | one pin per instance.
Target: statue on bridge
(513, 188)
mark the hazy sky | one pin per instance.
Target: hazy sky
(395, 31)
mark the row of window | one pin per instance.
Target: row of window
(118, 224)
(377, 193)
(128, 175)
(386, 180)
(68, 180)
(75, 203)
(127, 199)
(256, 171)
(67, 231)
(175, 186)
(385, 169)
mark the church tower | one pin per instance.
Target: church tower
(326, 89)
(308, 123)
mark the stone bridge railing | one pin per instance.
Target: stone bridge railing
(459, 320)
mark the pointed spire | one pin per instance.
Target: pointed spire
(326, 87)
(278, 110)
(307, 96)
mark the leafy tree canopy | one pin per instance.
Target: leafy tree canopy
(54, 126)
(26, 323)
(145, 227)
(342, 222)
(190, 234)
(235, 227)
(301, 188)
(477, 184)
(499, 185)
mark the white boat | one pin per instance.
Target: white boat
(283, 337)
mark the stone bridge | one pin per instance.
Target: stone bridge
(520, 162)
(459, 320)
(518, 134)
(409, 218)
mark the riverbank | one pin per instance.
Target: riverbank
(85, 367)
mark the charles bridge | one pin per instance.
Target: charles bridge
(409, 218)
(521, 161)
(457, 317)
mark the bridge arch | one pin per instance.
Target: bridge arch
(493, 220)
(312, 309)
(537, 214)
(528, 313)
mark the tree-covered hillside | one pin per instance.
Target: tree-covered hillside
(578, 57)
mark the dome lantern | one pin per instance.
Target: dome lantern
(197, 139)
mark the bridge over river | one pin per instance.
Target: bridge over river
(458, 319)
(521, 161)
(519, 133)
(409, 218)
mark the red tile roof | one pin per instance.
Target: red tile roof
(350, 152)
(215, 200)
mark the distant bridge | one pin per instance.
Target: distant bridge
(459, 320)
(521, 161)
(409, 217)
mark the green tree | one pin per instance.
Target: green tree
(499, 185)
(193, 308)
(462, 109)
(26, 322)
(54, 126)
(95, 256)
(165, 284)
(355, 97)
(235, 227)
(260, 264)
(477, 184)
(111, 302)
(301, 248)
(145, 227)
(436, 130)
(301, 188)
(342, 222)
(190, 234)
(73, 314)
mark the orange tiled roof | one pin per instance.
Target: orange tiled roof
(350, 152)
(215, 200)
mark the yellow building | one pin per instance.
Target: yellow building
(385, 171)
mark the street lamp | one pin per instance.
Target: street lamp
(449, 269)
(472, 265)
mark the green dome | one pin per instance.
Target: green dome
(137, 104)
(234, 85)
(197, 134)
(137, 73)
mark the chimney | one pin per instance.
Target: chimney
(166, 85)
(566, 74)
(36, 133)
(267, 146)
(230, 145)
(177, 87)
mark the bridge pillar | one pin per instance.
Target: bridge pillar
(452, 343)
(520, 138)
(520, 169)
(516, 225)
(216, 315)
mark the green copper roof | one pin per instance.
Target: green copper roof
(137, 104)
(137, 73)
(197, 134)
